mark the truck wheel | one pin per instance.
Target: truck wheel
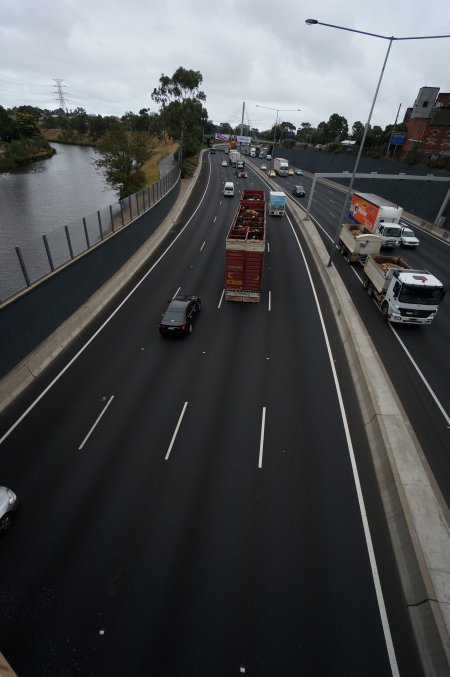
(341, 248)
(370, 290)
(365, 282)
(385, 310)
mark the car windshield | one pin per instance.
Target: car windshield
(427, 296)
(408, 232)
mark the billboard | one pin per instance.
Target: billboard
(233, 137)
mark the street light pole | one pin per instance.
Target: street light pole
(391, 38)
(278, 110)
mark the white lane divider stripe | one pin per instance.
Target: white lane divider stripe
(261, 441)
(176, 431)
(96, 422)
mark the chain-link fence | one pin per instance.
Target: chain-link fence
(40, 255)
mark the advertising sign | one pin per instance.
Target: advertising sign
(363, 212)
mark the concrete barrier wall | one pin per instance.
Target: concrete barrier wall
(30, 317)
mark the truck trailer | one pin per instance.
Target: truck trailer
(234, 156)
(402, 294)
(244, 249)
(356, 245)
(281, 166)
(377, 215)
(277, 203)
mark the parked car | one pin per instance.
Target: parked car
(298, 172)
(298, 191)
(263, 167)
(271, 173)
(179, 315)
(224, 163)
(408, 239)
(8, 506)
(290, 172)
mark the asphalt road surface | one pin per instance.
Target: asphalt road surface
(194, 506)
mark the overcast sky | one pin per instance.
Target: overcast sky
(110, 55)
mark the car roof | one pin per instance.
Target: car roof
(182, 300)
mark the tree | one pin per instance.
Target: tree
(8, 128)
(357, 131)
(27, 126)
(122, 156)
(337, 128)
(182, 113)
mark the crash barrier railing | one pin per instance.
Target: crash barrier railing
(43, 254)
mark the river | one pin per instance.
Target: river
(40, 200)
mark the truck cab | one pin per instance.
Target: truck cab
(391, 234)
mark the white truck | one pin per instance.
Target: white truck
(281, 166)
(277, 203)
(402, 294)
(377, 215)
(252, 151)
(233, 157)
(356, 245)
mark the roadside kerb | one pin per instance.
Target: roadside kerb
(417, 516)
(25, 373)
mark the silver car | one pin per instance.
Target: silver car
(408, 239)
(8, 506)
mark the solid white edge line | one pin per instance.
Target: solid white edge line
(201, 248)
(261, 441)
(362, 508)
(95, 423)
(416, 367)
(107, 321)
(176, 431)
(270, 300)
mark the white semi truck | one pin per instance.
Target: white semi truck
(402, 294)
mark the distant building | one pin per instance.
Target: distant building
(428, 123)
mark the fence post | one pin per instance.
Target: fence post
(129, 205)
(137, 203)
(49, 255)
(86, 234)
(69, 242)
(143, 199)
(100, 225)
(22, 265)
(112, 219)
(149, 199)
(121, 213)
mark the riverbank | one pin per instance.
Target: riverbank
(18, 154)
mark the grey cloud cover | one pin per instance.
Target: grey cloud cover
(110, 55)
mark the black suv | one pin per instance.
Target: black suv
(179, 315)
(298, 191)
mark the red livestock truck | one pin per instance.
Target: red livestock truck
(244, 249)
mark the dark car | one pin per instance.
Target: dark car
(179, 315)
(8, 506)
(212, 150)
(298, 191)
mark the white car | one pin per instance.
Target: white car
(224, 163)
(8, 506)
(408, 239)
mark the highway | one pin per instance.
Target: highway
(417, 359)
(204, 506)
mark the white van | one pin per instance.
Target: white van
(228, 189)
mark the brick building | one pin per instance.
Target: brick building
(428, 124)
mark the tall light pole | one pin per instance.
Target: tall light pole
(278, 110)
(313, 22)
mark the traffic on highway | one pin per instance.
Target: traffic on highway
(208, 505)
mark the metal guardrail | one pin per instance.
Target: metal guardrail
(40, 255)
